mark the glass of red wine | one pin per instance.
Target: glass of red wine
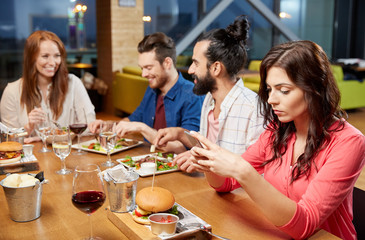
(78, 124)
(88, 191)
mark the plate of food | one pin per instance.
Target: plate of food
(121, 145)
(11, 153)
(49, 138)
(163, 163)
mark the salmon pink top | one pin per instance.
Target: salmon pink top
(324, 199)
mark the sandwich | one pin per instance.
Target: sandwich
(152, 200)
(10, 152)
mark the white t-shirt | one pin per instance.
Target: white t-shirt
(14, 115)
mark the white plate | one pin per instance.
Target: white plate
(146, 173)
(87, 143)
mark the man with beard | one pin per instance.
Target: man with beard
(229, 114)
(169, 100)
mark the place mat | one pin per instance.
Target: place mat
(26, 164)
(133, 230)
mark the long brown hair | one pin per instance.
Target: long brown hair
(31, 96)
(308, 67)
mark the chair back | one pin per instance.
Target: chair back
(128, 91)
(359, 212)
(254, 65)
(337, 72)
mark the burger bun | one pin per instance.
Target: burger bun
(141, 220)
(11, 160)
(155, 199)
(10, 146)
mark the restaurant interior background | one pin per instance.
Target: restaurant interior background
(336, 25)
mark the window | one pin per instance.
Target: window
(19, 18)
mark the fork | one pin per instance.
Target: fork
(200, 226)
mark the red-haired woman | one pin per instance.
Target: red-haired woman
(45, 87)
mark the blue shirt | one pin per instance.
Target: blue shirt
(182, 106)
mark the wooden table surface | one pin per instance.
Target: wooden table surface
(232, 215)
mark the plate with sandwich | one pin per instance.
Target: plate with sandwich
(150, 201)
(12, 153)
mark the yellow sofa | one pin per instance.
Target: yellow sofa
(352, 91)
(128, 89)
(253, 83)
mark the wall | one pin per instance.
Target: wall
(119, 29)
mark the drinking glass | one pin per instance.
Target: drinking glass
(61, 144)
(78, 124)
(88, 191)
(107, 140)
(43, 129)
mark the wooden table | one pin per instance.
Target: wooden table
(232, 215)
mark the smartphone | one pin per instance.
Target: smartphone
(194, 142)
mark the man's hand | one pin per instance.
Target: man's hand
(166, 135)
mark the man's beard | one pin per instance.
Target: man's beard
(205, 84)
(161, 81)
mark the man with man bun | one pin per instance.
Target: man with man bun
(229, 115)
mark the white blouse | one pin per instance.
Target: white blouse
(14, 115)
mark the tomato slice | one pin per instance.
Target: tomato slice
(137, 213)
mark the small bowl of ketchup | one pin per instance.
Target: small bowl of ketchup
(163, 224)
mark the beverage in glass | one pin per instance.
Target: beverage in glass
(43, 129)
(78, 124)
(88, 193)
(107, 139)
(61, 144)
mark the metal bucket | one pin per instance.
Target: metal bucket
(24, 203)
(122, 194)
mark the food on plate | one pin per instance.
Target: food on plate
(120, 144)
(10, 152)
(163, 162)
(167, 155)
(94, 146)
(58, 131)
(148, 167)
(152, 200)
(126, 143)
(19, 180)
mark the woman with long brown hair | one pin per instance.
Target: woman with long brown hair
(302, 170)
(45, 87)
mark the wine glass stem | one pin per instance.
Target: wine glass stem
(63, 164)
(78, 143)
(44, 142)
(108, 157)
(91, 226)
